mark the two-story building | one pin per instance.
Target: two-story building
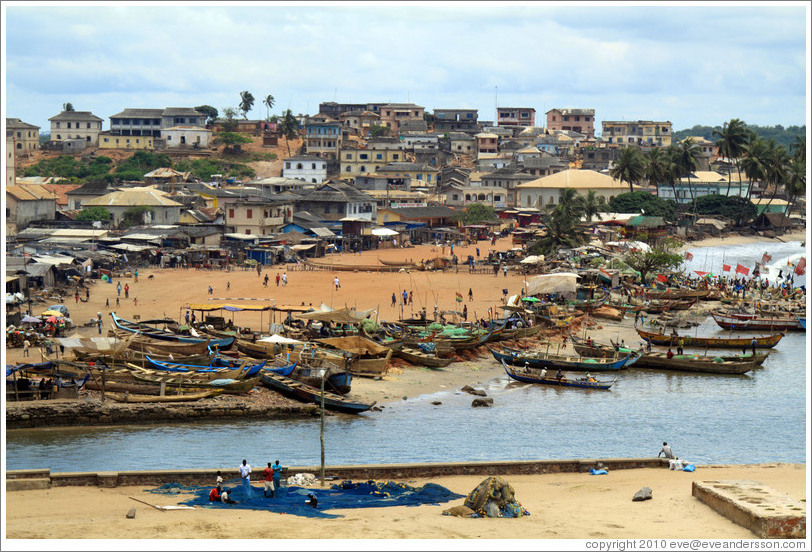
(358, 121)
(335, 110)
(255, 215)
(187, 137)
(463, 196)
(77, 125)
(702, 183)
(114, 141)
(24, 136)
(25, 204)
(419, 174)
(459, 143)
(152, 122)
(707, 152)
(579, 120)
(486, 142)
(421, 142)
(323, 139)
(11, 166)
(456, 120)
(515, 116)
(305, 167)
(641, 134)
(335, 200)
(357, 161)
(543, 165)
(507, 178)
(393, 115)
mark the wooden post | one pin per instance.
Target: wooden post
(321, 432)
(163, 389)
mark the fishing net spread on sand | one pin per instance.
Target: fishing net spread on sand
(295, 501)
(494, 497)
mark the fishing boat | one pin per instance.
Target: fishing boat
(527, 374)
(399, 264)
(143, 343)
(369, 359)
(166, 366)
(183, 397)
(298, 390)
(417, 357)
(335, 378)
(762, 342)
(350, 268)
(755, 322)
(697, 363)
(227, 385)
(165, 335)
(802, 322)
(539, 359)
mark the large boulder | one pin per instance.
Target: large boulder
(482, 402)
(471, 391)
(642, 494)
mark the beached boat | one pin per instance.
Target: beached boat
(698, 363)
(183, 397)
(369, 358)
(320, 265)
(672, 340)
(227, 385)
(298, 390)
(540, 359)
(399, 264)
(165, 335)
(216, 365)
(143, 343)
(755, 322)
(526, 374)
(417, 357)
(336, 379)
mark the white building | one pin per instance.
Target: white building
(76, 125)
(305, 167)
(547, 190)
(187, 136)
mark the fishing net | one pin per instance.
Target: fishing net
(494, 497)
(294, 500)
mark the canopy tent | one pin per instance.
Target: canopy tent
(559, 282)
(276, 338)
(101, 344)
(384, 232)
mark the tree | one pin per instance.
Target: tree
(754, 163)
(663, 256)
(629, 167)
(94, 213)
(67, 106)
(592, 204)
(246, 103)
(209, 111)
(232, 141)
(796, 180)
(229, 124)
(269, 103)
(644, 202)
(562, 229)
(288, 127)
(739, 209)
(135, 215)
(378, 130)
(478, 212)
(687, 161)
(733, 138)
(657, 166)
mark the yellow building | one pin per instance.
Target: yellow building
(637, 133)
(112, 141)
(363, 161)
(25, 137)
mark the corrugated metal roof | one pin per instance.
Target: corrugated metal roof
(147, 196)
(322, 232)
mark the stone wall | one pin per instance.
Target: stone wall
(87, 413)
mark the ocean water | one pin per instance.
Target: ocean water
(706, 418)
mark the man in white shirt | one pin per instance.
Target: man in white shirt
(667, 451)
(245, 474)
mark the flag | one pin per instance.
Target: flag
(661, 278)
(742, 270)
(765, 258)
(789, 263)
(459, 297)
(689, 256)
(800, 268)
(700, 273)
(725, 268)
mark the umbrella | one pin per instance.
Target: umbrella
(30, 319)
(531, 299)
(52, 319)
(52, 313)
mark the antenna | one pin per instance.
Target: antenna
(495, 105)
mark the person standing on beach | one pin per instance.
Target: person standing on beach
(278, 277)
(245, 474)
(411, 297)
(265, 281)
(284, 279)
(405, 297)
(269, 486)
(26, 347)
(394, 299)
(136, 275)
(277, 474)
(118, 288)
(470, 294)
(336, 282)
(465, 312)
(667, 451)
(126, 291)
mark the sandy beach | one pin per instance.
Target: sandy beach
(562, 506)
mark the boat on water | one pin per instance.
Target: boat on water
(165, 335)
(540, 359)
(756, 322)
(528, 374)
(700, 363)
(762, 342)
(298, 390)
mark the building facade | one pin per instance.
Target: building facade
(323, 139)
(641, 134)
(355, 161)
(547, 190)
(420, 174)
(25, 204)
(515, 116)
(187, 137)
(305, 167)
(257, 216)
(459, 120)
(151, 122)
(111, 141)
(333, 201)
(579, 120)
(24, 136)
(11, 166)
(462, 196)
(77, 125)
(393, 115)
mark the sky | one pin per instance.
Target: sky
(685, 63)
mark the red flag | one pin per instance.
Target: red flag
(459, 297)
(765, 258)
(742, 270)
(800, 268)
(661, 278)
(700, 273)
(725, 268)
(689, 256)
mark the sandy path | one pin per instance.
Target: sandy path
(562, 506)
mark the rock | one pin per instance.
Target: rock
(436, 403)
(642, 494)
(460, 511)
(405, 397)
(482, 402)
(131, 513)
(471, 391)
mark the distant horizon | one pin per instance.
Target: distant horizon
(687, 64)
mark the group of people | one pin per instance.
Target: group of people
(272, 482)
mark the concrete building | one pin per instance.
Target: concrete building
(335, 110)
(702, 183)
(25, 204)
(77, 125)
(642, 134)
(393, 115)
(579, 120)
(161, 209)
(515, 116)
(152, 122)
(336, 200)
(187, 137)
(459, 143)
(357, 161)
(459, 120)
(508, 178)
(486, 142)
(547, 190)
(462, 196)
(11, 166)
(420, 174)
(25, 137)
(358, 121)
(112, 141)
(257, 216)
(323, 139)
(305, 167)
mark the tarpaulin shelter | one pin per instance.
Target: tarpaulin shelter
(276, 338)
(559, 282)
(337, 316)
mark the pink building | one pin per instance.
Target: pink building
(578, 120)
(516, 116)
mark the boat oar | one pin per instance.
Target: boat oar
(147, 503)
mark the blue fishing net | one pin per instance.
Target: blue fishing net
(294, 500)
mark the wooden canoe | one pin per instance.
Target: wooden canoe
(697, 363)
(755, 322)
(540, 359)
(185, 397)
(306, 393)
(165, 335)
(526, 374)
(762, 342)
(419, 358)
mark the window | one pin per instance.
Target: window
(58, 137)
(88, 125)
(454, 197)
(327, 209)
(395, 157)
(57, 124)
(379, 156)
(231, 213)
(349, 156)
(249, 213)
(299, 166)
(348, 169)
(287, 164)
(312, 165)
(68, 124)
(363, 156)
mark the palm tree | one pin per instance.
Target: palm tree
(656, 166)
(288, 127)
(561, 224)
(754, 163)
(687, 161)
(592, 204)
(777, 160)
(731, 143)
(629, 167)
(798, 148)
(246, 102)
(796, 181)
(269, 102)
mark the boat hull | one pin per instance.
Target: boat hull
(762, 342)
(533, 376)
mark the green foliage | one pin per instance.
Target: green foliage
(478, 212)
(67, 166)
(630, 166)
(139, 164)
(209, 111)
(229, 124)
(378, 130)
(94, 213)
(246, 102)
(134, 215)
(737, 208)
(204, 168)
(67, 106)
(269, 102)
(781, 135)
(563, 230)
(288, 127)
(636, 202)
(663, 256)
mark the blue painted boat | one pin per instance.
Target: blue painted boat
(216, 366)
(533, 375)
(337, 380)
(539, 359)
(802, 321)
(166, 335)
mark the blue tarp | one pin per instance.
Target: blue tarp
(292, 500)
